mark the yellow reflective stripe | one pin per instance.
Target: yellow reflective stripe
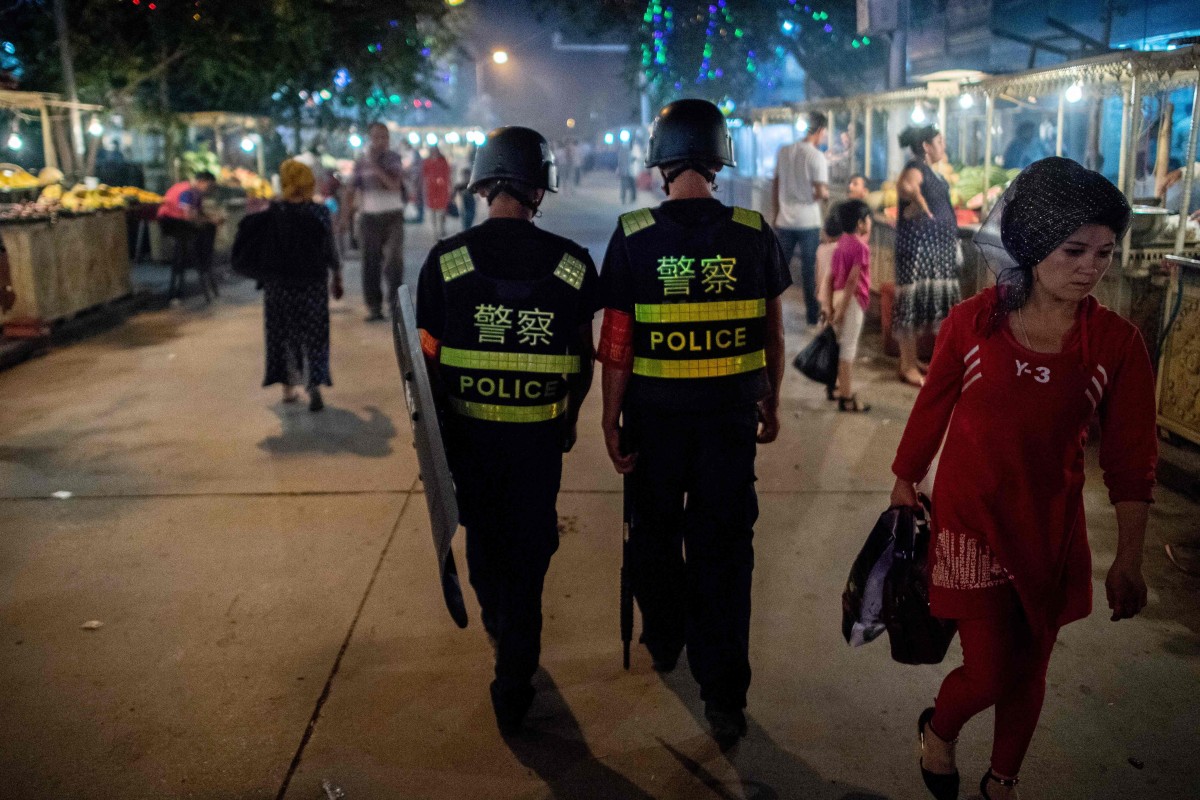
(666, 313)
(509, 362)
(700, 367)
(751, 219)
(495, 413)
(455, 264)
(635, 221)
(570, 270)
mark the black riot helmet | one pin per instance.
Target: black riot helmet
(690, 131)
(515, 160)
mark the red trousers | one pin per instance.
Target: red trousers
(1004, 666)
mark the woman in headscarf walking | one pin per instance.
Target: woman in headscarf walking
(1018, 374)
(296, 290)
(926, 248)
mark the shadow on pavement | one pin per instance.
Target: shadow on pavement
(331, 431)
(557, 752)
(765, 770)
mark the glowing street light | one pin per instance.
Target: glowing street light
(247, 144)
(571, 122)
(414, 138)
(500, 56)
(431, 139)
(452, 137)
(609, 138)
(624, 135)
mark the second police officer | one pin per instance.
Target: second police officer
(505, 316)
(692, 348)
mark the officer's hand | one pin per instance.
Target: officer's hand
(904, 494)
(570, 436)
(623, 462)
(768, 422)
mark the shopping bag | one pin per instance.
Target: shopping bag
(916, 636)
(819, 359)
(862, 599)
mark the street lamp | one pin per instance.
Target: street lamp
(500, 56)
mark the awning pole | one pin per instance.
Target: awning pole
(987, 156)
(1058, 138)
(867, 131)
(853, 139)
(48, 153)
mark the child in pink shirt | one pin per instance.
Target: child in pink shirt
(850, 278)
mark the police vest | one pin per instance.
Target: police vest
(699, 297)
(508, 345)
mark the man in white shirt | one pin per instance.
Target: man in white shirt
(801, 183)
(377, 191)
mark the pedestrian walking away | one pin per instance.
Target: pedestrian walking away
(505, 315)
(297, 266)
(378, 194)
(1018, 375)
(927, 251)
(435, 175)
(692, 347)
(466, 198)
(801, 183)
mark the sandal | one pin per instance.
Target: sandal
(942, 786)
(852, 405)
(991, 776)
(913, 378)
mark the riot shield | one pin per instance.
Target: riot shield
(431, 453)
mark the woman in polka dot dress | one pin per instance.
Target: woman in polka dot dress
(296, 298)
(926, 248)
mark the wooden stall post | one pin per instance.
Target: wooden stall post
(1129, 162)
(48, 151)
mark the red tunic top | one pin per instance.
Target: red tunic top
(1008, 495)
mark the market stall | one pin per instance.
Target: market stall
(66, 249)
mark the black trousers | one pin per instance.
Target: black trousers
(692, 541)
(507, 476)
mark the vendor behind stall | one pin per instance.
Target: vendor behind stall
(182, 216)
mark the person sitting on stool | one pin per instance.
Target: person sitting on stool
(182, 217)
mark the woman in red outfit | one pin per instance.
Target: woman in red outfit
(1018, 374)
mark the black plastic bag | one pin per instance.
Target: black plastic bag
(862, 599)
(888, 589)
(916, 636)
(819, 359)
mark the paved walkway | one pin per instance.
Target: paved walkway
(263, 577)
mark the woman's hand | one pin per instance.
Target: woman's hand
(904, 493)
(1126, 589)
(623, 462)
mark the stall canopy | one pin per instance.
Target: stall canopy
(46, 109)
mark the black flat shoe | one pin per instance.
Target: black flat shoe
(829, 395)
(942, 787)
(991, 776)
(852, 405)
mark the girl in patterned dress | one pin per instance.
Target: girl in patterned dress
(1018, 374)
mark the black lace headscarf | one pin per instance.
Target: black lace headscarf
(1048, 201)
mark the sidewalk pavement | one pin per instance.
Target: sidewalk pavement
(270, 621)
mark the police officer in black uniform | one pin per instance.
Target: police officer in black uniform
(692, 347)
(505, 316)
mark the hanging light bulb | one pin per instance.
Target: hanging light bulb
(966, 101)
(414, 138)
(431, 139)
(248, 144)
(95, 128)
(355, 141)
(1074, 93)
(14, 139)
(918, 114)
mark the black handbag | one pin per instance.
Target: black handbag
(819, 359)
(888, 589)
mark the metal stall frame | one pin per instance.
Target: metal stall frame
(44, 104)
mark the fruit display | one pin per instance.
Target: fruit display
(254, 185)
(971, 180)
(139, 196)
(27, 212)
(14, 178)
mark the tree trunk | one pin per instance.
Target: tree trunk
(66, 55)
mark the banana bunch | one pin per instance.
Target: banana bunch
(16, 178)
